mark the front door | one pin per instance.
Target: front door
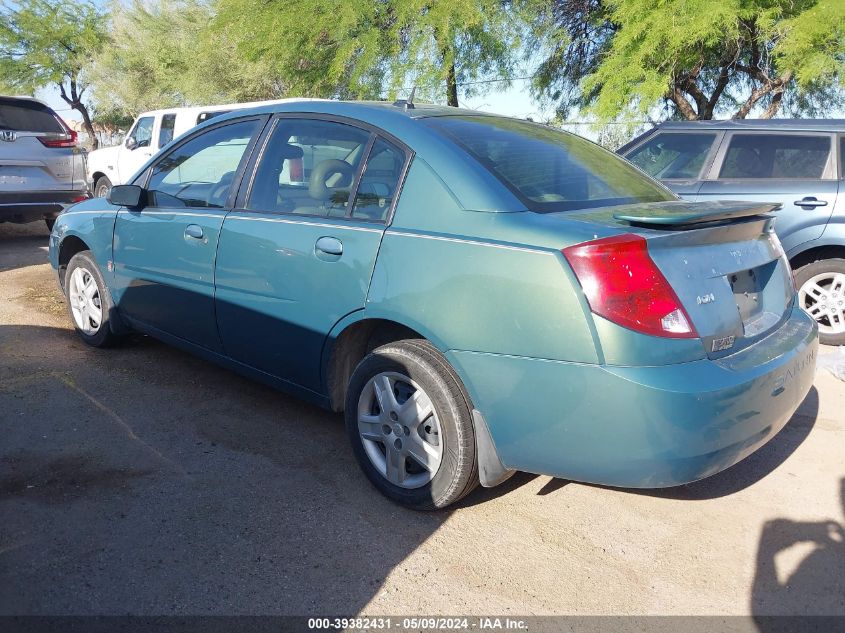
(137, 149)
(164, 253)
(297, 256)
(797, 170)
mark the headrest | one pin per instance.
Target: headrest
(291, 151)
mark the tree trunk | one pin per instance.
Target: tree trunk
(451, 86)
(86, 123)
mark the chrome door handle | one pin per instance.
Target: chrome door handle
(329, 246)
(810, 202)
(194, 231)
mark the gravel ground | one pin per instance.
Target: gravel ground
(142, 480)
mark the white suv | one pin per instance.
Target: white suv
(149, 133)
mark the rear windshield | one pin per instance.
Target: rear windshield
(27, 116)
(549, 170)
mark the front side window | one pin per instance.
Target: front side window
(547, 169)
(671, 155)
(200, 172)
(308, 167)
(142, 133)
(165, 134)
(775, 156)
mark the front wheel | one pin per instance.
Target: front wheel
(102, 187)
(821, 294)
(410, 424)
(89, 301)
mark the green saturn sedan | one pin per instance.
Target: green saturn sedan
(479, 295)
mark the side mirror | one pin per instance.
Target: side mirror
(131, 143)
(131, 196)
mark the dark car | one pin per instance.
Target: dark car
(798, 163)
(42, 168)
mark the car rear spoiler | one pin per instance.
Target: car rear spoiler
(685, 214)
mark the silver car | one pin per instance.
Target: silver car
(799, 163)
(42, 168)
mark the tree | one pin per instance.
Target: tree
(376, 48)
(50, 43)
(618, 58)
(164, 54)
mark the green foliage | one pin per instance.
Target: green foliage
(701, 57)
(375, 48)
(48, 42)
(164, 54)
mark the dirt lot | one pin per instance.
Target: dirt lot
(142, 480)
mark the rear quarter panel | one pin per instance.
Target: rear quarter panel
(442, 271)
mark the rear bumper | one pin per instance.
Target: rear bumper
(643, 427)
(28, 206)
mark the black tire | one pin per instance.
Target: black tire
(822, 267)
(103, 336)
(457, 474)
(102, 187)
(50, 222)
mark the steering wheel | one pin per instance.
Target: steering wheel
(317, 187)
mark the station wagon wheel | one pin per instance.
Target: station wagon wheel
(821, 294)
(89, 301)
(410, 423)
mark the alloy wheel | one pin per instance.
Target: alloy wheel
(85, 304)
(823, 298)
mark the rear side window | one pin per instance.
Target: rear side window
(308, 167)
(165, 134)
(28, 116)
(673, 155)
(549, 170)
(776, 156)
(379, 182)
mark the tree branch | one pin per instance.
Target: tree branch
(682, 104)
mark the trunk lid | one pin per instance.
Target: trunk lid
(722, 259)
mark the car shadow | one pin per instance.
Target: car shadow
(799, 572)
(23, 245)
(163, 484)
(742, 474)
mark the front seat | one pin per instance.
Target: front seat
(331, 199)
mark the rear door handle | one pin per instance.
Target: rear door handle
(194, 231)
(329, 246)
(810, 202)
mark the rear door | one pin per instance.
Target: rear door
(677, 159)
(37, 152)
(164, 253)
(297, 255)
(796, 169)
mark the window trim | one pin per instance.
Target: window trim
(146, 175)
(718, 137)
(828, 173)
(246, 185)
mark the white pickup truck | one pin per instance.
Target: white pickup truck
(149, 133)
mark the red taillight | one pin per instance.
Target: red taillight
(59, 140)
(624, 285)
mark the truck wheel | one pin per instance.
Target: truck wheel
(410, 424)
(89, 301)
(821, 294)
(102, 187)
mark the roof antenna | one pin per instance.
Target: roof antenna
(407, 104)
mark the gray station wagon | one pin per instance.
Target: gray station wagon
(798, 163)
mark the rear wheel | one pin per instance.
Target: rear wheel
(88, 301)
(821, 294)
(410, 424)
(102, 187)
